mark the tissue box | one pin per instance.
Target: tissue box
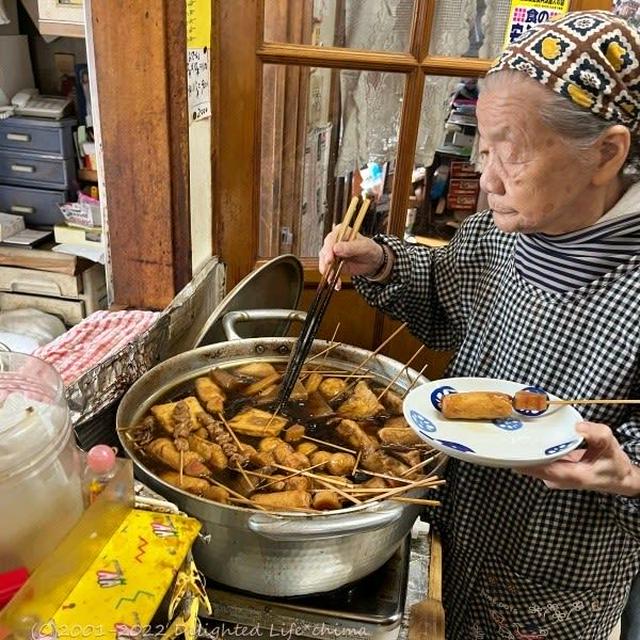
(10, 225)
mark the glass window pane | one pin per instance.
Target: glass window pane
(382, 25)
(326, 135)
(469, 28)
(446, 186)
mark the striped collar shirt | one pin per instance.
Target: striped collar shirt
(572, 260)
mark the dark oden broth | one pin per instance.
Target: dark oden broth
(296, 412)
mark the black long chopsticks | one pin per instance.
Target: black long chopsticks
(318, 306)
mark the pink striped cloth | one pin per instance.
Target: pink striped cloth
(92, 341)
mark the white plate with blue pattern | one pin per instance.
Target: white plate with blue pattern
(519, 441)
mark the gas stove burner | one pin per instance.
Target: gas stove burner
(369, 608)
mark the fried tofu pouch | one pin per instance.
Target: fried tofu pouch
(477, 405)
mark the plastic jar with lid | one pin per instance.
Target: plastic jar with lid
(40, 470)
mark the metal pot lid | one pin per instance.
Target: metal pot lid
(275, 285)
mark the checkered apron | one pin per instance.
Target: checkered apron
(523, 561)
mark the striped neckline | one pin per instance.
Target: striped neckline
(572, 260)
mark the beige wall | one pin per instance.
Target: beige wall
(200, 189)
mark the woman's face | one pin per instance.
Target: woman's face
(535, 181)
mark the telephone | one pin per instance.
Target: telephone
(29, 102)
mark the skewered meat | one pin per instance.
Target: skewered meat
(361, 404)
(326, 500)
(284, 499)
(256, 370)
(392, 435)
(354, 435)
(182, 425)
(222, 437)
(225, 380)
(332, 387)
(197, 486)
(211, 452)
(163, 413)
(294, 433)
(210, 395)
(477, 405)
(392, 402)
(201, 432)
(307, 448)
(340, 464)
(163, 450)
(313, 382)
(257, 423)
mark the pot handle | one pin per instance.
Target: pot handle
(230, 319)
(285, 529)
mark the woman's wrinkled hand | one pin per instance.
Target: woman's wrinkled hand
(362, 256)
(603, 466)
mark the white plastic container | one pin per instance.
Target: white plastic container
(40, 473)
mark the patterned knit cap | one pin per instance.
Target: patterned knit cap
(591, 57)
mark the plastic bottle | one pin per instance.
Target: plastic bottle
(101, 467)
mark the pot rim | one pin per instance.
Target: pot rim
(320, 344)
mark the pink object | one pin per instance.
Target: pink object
(94, 340)
(101, 459)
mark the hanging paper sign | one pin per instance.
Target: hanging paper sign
(198, 58)
(198, 85)
(524, 15)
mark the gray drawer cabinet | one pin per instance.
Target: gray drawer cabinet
(37, 168)
(37, 206)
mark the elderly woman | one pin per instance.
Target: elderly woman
(544, 287)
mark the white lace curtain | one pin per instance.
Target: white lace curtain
(372, 101)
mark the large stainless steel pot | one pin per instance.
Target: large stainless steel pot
(271, 554)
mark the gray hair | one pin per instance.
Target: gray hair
(573, 123)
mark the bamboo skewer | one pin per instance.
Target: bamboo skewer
(324, 482)
(330, 444)
(324, 352)
(407, 487)
(413, 384)
(420, 501)
(386, 477)
(419, 466)
(594, 401)
(355, 466)
(181, 466)
(239, 445)
(406, 366)
(237, 495)
(373, 354)
(293, 475)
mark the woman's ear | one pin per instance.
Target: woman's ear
(613, 149)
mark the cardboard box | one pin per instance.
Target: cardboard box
(10, 225)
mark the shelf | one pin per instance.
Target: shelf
(62, 29)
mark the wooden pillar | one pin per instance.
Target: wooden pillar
(140, 59)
